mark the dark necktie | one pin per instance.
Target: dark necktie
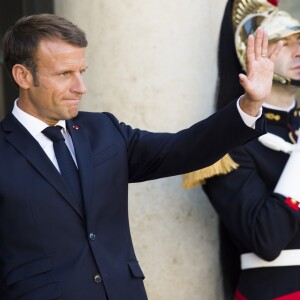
(66, 163)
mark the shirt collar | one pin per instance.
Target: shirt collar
(267, 105)
(34, 125)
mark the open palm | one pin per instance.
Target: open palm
(257, 82)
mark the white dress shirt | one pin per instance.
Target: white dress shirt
(36, 126)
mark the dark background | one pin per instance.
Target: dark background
(10, 12)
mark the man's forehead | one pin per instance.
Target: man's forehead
(58, 56)
(287, 38)
(57, 46)
(292, 36)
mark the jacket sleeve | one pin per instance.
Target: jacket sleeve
(156, 155)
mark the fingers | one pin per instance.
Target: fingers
(276, 51)
(264, 49)
(260, 43)
(250, 48)
(257, 46)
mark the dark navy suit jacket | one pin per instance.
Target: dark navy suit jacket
(49, 248)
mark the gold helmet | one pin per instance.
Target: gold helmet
(248, 15)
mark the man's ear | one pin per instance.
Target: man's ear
(22, 76)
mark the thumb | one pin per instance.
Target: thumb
(243, 80)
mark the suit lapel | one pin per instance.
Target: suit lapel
(84, 159)
(26, 145)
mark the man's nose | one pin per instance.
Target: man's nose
(297, 49)
(79, 85)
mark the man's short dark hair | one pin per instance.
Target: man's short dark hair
(21, 40)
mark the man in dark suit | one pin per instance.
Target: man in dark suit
(60, 239)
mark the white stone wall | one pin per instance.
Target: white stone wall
(152, 63)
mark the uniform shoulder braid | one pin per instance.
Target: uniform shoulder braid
(222, 167)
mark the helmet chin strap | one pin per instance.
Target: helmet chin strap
(286, 81)
(295, 82)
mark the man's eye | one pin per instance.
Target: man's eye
(64, 74)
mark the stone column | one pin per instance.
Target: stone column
(153, 65)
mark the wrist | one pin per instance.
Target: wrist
(250, 106)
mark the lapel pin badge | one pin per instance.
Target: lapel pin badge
(75, 127)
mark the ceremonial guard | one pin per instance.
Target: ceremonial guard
(255, 188)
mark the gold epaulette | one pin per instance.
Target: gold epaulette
(223, 166)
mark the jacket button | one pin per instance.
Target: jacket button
(97, 278)
(92, 236)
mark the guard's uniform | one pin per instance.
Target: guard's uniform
(260, 221)
(263, 225)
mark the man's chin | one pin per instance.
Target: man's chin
(71, 114)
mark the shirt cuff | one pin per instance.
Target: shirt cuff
(248, 120)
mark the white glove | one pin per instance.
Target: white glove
(277, 143)
(288, 184)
